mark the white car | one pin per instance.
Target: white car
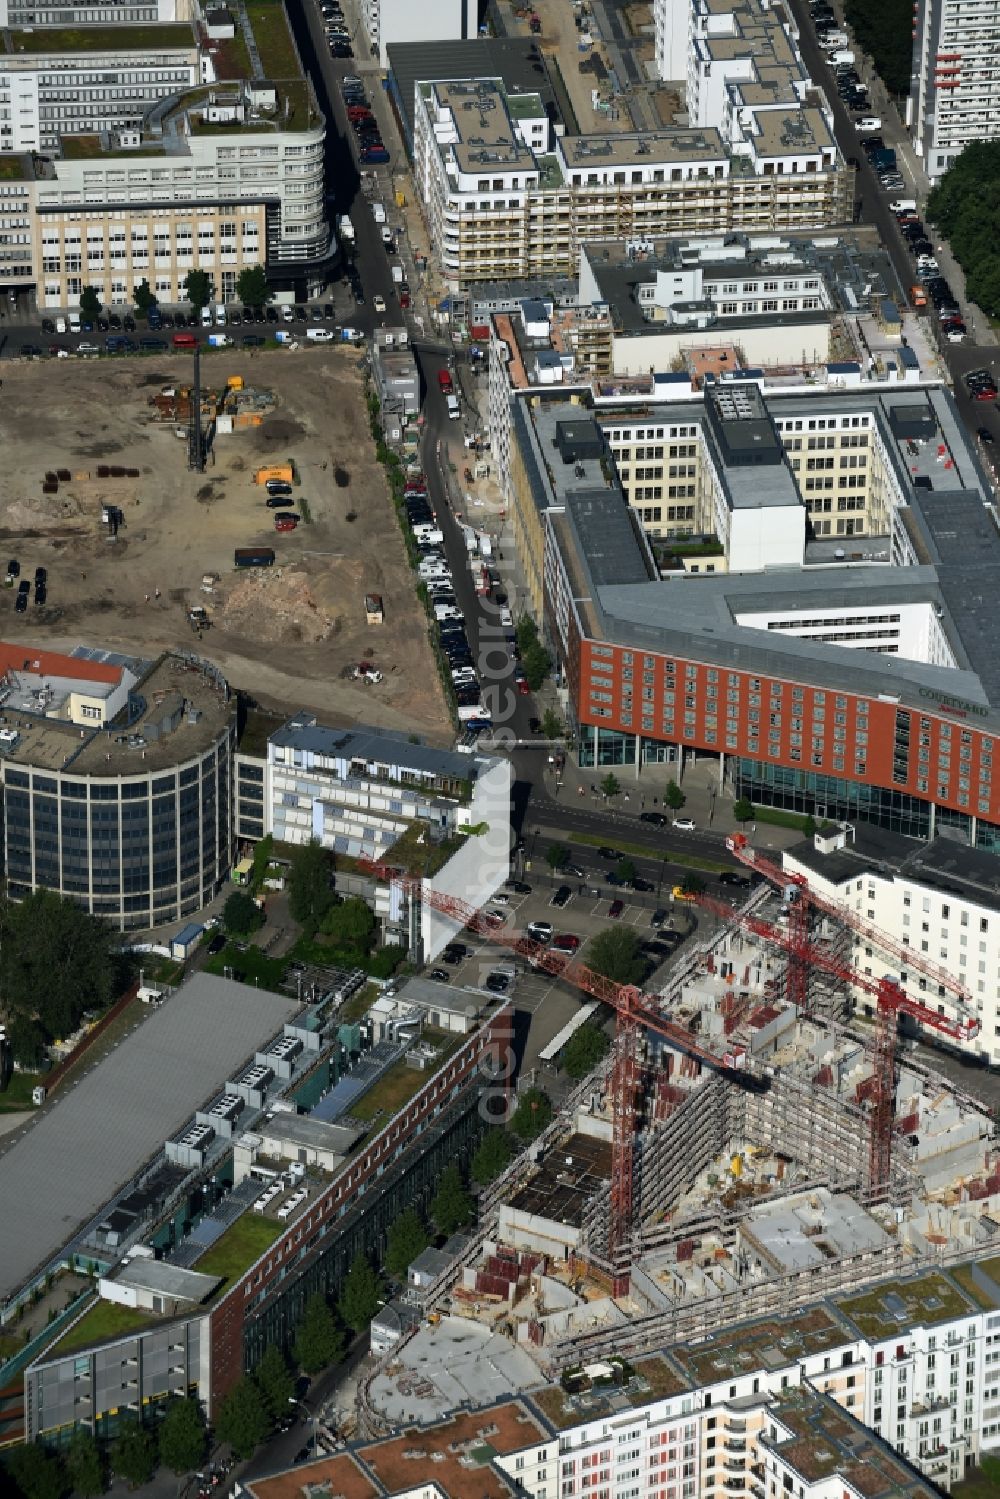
(506, 618)
(288, 314)
(320, 335)
(684, 824)
(60, 325)
(378, 302)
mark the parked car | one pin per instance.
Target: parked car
(615, 909)
(684, 824)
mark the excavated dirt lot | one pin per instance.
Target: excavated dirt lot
(287, 635)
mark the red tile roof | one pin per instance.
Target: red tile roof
(23, 658)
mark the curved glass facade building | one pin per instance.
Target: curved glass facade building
(131, 817)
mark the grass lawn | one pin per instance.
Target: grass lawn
(102, 38)
(18, 1094)
(240, 1246)
(391, 1092)
(273, 38)
(779, 818)
(976, 1486)
(643, 851)
(250, 967)
(104, 1320)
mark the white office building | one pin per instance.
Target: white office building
(955, 82)
(92, 12)
(389, 21)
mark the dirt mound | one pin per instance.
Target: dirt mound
(276, 604)
(43, 511)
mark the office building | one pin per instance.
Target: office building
(115, 778)
(825, 530)
(67, 81)
(43, 13)
(390, 22)
(954, 85)
(373, 794)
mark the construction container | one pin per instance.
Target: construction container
(235, 382)
(282, 471)
(374, 612)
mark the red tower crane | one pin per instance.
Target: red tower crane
(739, 845)
(891, 1001)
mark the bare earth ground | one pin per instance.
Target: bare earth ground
(286, 635)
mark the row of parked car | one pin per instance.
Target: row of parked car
(371, 150)
(338, 38)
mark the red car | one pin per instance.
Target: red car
(616, 908)
(285, 522)
(565, 943)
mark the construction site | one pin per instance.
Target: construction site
(138, 533)
(756, 1142)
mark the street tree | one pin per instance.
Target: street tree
(38, 1474)
(674, 796)
(85, 1464)
(310, 885)
(537, 664)
(557, 856)
(451, 1207)
(251, 286)
(617, 955)
(243, 1419)
(144, 298)
(319, 1342)
(611, 785)
(407, 1239)
(809, 825)
(533, 1113)
(492, 1156)
(90, 302)
(274, 1380)
(199, 288)
(241, 915)
(56, 961)
(360, 1294)
(626, 871)
(27, 1041)
(693, 884)
(133, 1453)
(182, 1435)
(743, 809)
(584, 1049)
(552, 724)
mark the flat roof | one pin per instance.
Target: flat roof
(374, 746)
(138, 38)
(943, 864)
(164, 1279)
(95, 1135)
(820, 1441)
(301, 1129)
(770, 1342)
(456, 1454)
(888, 1308)
(643, 148)
(518, 60)
(193, 692)
(341, 1472)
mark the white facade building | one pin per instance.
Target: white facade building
(955, 83)
(92, 12)
(941, 899)
(391, 21)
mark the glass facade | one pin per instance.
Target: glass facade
(138, 851)
(611, 747)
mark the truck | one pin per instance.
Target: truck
(219, 341)
(345, 228)
(378, 212)
(274, 473)
(351, 336)
(397, 273)
(445, 382)
(254, 557)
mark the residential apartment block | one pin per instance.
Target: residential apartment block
(65, 81)
(504, 199)
(955, 82)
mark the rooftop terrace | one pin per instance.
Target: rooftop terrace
(770, 1343)
(275, 47)
(141, 39)
(888, 1309)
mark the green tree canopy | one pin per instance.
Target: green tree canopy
(56, 960)
(674, 796)
(884, 32)
(27, 1041)
(617, 955)
(407, 1239)
(360, 1294)
(38, 1474)
(85, 1464)
(610, 786)
(965, 206)
(274, 1381)
(318, 1340)
(310, 885)
(743, 809)
(552, 724)
(584, 1049)
(143, 297)
(199, 288)
(626, 871)
(252, 288)
(492, 1156)
(182, 1435)
(133, 1453)
(243, 1420)
(90, 301)
(262, 858)
(533, 1113)
(452, 1206)
(350, 922)
(537, 664)
(557, 855)
(241, 915)
(526, 633)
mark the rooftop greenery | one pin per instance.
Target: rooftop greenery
(274, 40)
(239, 1247)
(102, 38)
(106, 1319)
(930, 1299)
(414, 851)
(13, 169)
